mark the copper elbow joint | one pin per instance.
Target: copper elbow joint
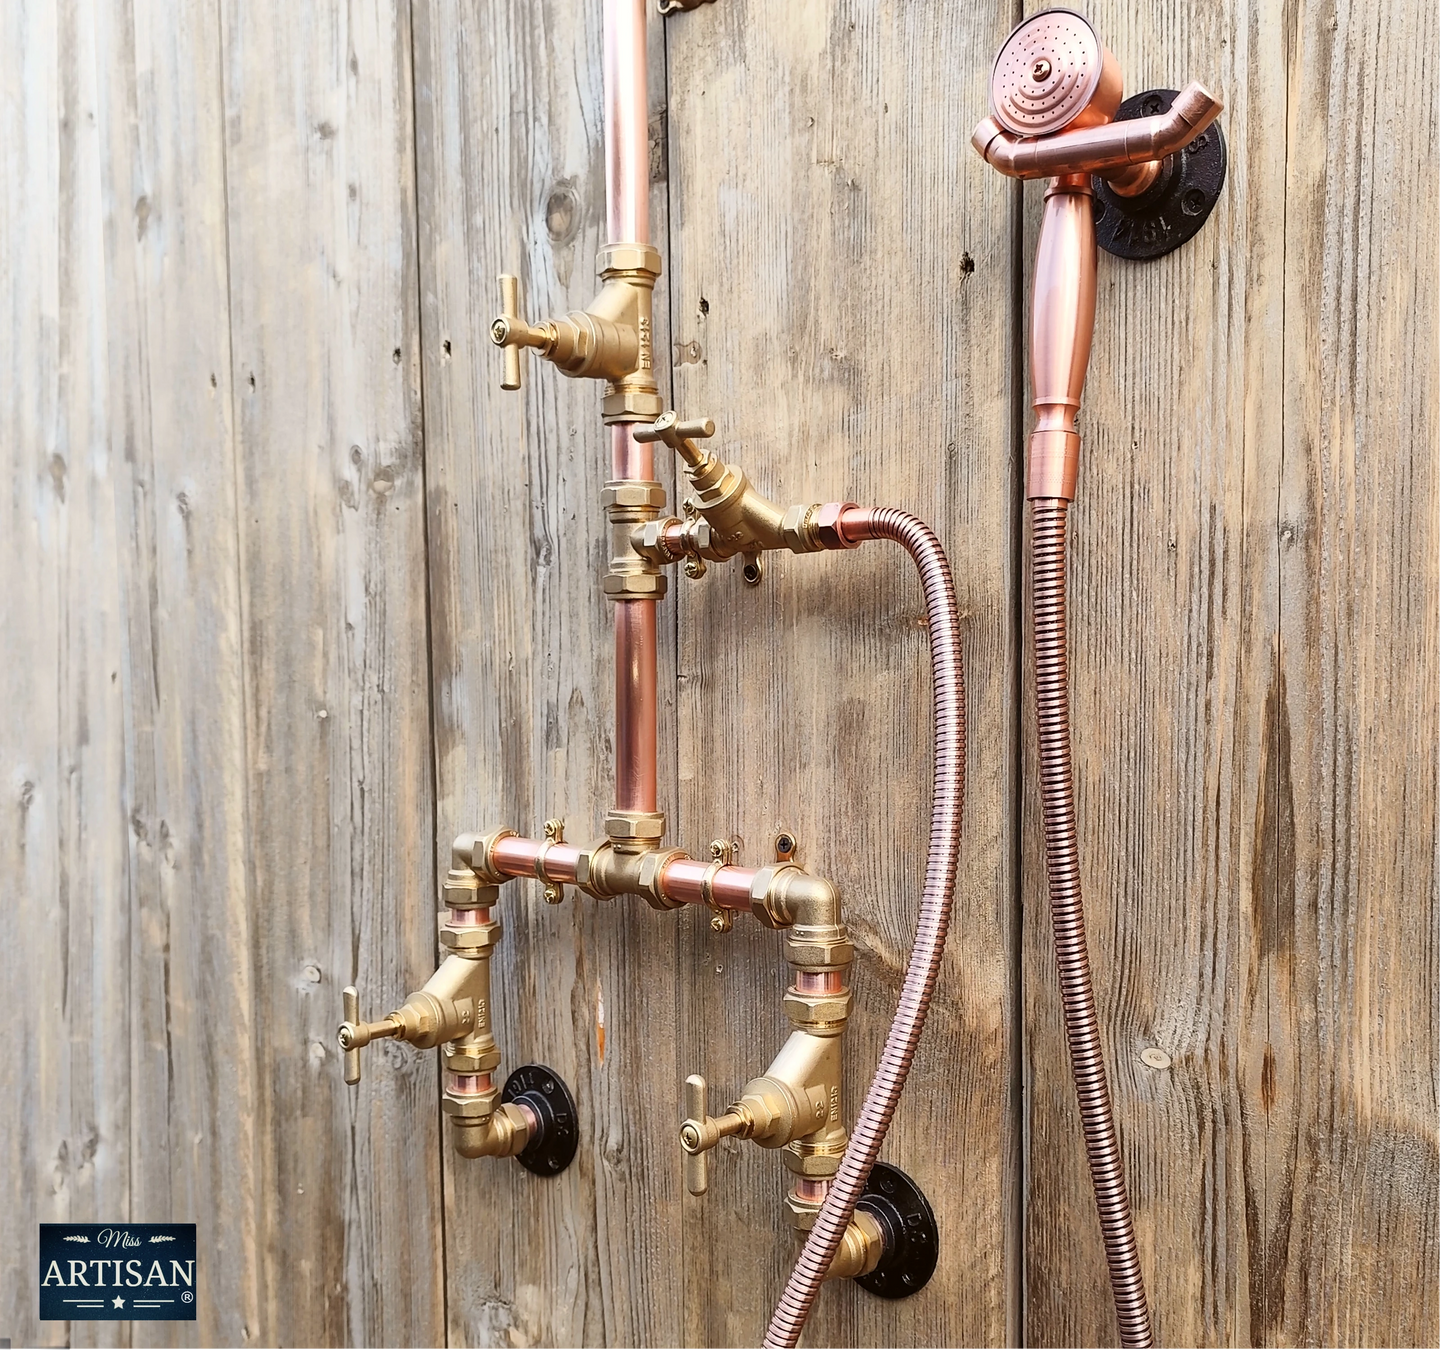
(1106, 150)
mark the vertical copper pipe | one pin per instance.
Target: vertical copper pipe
(635, 702)
(627, 123)
(1062, 865)
(947, 807)
(627, 203)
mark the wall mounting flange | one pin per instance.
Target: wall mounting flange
(1173, 208)
(912, 1239)
(553, 1146)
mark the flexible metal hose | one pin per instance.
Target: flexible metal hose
(945, 816)
(1067, 914)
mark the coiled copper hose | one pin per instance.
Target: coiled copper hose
(1067, 915)
(945, 816)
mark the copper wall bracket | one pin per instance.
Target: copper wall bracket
(1171, 209)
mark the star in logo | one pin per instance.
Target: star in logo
(119, 1302)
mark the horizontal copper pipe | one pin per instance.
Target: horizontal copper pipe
(513, 856)
(683, 879)
(1116, 145)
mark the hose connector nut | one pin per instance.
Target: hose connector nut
(828, 527)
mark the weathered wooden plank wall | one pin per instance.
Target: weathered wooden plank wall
(294, 594)
(842, 278)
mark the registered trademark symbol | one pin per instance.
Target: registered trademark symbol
(186, 1296)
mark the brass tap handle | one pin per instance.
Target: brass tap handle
(351, 998)
(510, 309)
(354, 1033)
(510, 332)
(697, 1173)
(699, 1133)
(679, 435)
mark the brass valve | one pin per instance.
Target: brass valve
(795, 1102)
(612, 340)
(738, 519)
(426, 1019)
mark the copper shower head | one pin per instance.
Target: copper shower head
(1052, 73)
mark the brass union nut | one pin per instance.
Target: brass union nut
(803, 1213)
(827, 525)
(463, 940)
(652, 865)
(473, 1061)
(624, 827)
(635, 585)
(472, 1106)
(809, 1164)
(797, 528)
(819, 948)
(808, 1010)
(463, 890)
(632, 492)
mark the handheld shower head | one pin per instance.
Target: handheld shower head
(1052, 73)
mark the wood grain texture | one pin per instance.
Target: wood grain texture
(66, 1078)
(512, 179)
(841, 294)
(326, 367)
(1352, 1171)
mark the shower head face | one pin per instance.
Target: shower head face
(1052, 73)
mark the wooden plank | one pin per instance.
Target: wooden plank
(166, 307)
(1349, 1089)
(66, 1078)
(326, 367)
(512, 179)
(1173, 608)
(841, 303)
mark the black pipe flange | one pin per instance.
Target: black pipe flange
(1174, 207)
(551, 1148)
(912, 1240)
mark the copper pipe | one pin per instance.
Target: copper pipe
(635, 707)
(1062, 865)
(947, 806)
(682, 879)
(627, 123)
(512, 856)
(627, 204)
(1103, 149)
(636, 695)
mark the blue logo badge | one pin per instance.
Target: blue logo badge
(117, 1272)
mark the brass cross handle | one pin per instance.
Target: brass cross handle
(354, 1033)
(679, 435)
(699, 1133)
(510, 332)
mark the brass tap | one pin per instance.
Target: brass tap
(452, 1011)
(794, 1105)
(726, 516)
(612, 340)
